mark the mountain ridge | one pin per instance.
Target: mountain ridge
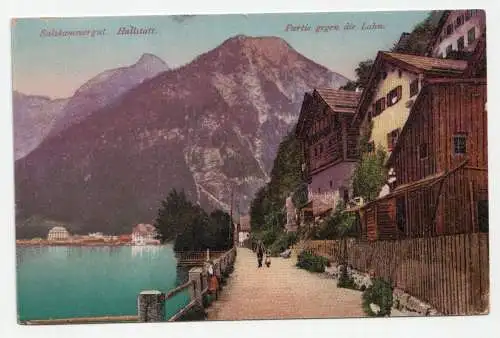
(209, 127)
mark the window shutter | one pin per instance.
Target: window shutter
(399, 92)
(382, 104)
(389, 141)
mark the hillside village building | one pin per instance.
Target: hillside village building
(440, 164)
(394, 84)
(458, 31)
(244, 229)
(329, 143)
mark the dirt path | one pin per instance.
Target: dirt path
(281, 292)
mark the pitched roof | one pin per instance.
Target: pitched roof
(432, 67)
(403, 40)
(342, 101)
(425, 63)
(339, 100)
(144, 228)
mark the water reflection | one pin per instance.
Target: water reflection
(151, 251)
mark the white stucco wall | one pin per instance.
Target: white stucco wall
(395, 116)
(478, 22)
(322, 194)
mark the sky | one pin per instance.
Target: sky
(57, 66)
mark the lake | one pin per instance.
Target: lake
(68, 281)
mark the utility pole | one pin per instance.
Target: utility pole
(231, 215)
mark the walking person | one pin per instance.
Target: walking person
(260, 253)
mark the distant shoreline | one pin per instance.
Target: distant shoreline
(70, 243)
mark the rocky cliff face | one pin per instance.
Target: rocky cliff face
(209, 127)
(34, 117)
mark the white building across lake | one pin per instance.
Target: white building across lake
(58, 233)
(144, 234)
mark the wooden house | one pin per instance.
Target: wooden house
(458, 33)
(394, 84)
(440, 162)
(329, 142)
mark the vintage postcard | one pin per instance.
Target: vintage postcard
(263, 166)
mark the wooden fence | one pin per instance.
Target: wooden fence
(194, 258)
(449, 272)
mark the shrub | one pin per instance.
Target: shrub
(345, 281)
(311, 262)
(379, 293)
(282, 242)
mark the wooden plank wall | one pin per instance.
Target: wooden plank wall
(449, 272)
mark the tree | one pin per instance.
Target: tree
(190, 227)
(420, 36)
(266, 209)
(370, 175)
(174, 214)
(362, 76)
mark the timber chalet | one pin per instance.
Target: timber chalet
(439, 156)
(429, 114)
(329, 144)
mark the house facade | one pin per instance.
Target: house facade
(58, 233)
(440, 164)
(244, 229)
(144, 234)
(394, 84)
(329, 144)
(458, 31)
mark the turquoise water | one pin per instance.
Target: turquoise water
(67, 281)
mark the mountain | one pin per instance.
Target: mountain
(105, 87)
(209, 127)
(34, 116)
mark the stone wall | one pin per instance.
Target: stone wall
(402, 301)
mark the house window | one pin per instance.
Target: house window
(413, 88)
(319, 190)
(394, 96)
(471, 35)
(459, 144)
(401, 213)
(449, 49)
(392, 139)
(460, 43)
(459, 21)
(449, 29)
(379, 106)
(331, 184)
(423, 151)
(315, 151)
(400, 73)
